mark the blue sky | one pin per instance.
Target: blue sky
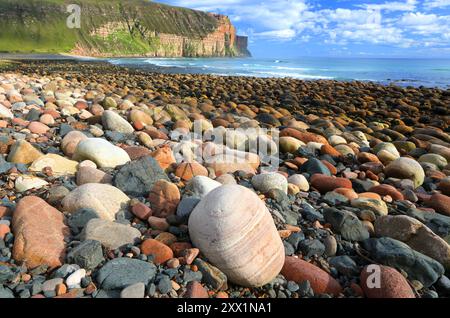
(347, 28)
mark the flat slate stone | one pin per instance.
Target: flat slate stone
(438, 223)
(347, 224)
(87, 255)
(112, 235)
(123, 272)
(138, 177)
(313, 166)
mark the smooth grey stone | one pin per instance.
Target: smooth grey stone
(123, 272)
(396, 254)
(186, 206)
(347, 224)
(345, 265)
(138, 177)
(313, 166)
(311, 247)
(164, 284)
(88, 254)
(5, 293)
(133, 291)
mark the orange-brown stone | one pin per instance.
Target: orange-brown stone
(326, 184)
(348, 193)
(386, 189)
(164, 156)
(136, 152)
(4, 229)
(179, 247)
(39, 231)
(159, 224)
(435, 175)
(161, 252)
(195, 290)
(187, 170)
(189, 255)
(364, 157)
(303, 136)
(369, 195)
(156, 134)
(330, 167)
(61, 289)
(372, 176)
(297, 270)
(38, 128)
(142, 211)
(299, 161)
(444, 186)
(440, 203)
(164, 198)
(392, 283)
(330, 150)
(221, 168)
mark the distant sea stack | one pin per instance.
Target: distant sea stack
(113, 28)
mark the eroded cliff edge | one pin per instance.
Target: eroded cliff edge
(117, 28)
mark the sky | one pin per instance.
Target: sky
(339, 28)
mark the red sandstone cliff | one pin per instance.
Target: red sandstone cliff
(223, 41)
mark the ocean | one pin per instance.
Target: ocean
(403, 72)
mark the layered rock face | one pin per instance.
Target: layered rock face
(221, 42)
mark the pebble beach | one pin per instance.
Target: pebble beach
(101, 198)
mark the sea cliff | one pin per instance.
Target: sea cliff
(116, 28)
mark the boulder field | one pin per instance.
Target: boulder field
(121, 183)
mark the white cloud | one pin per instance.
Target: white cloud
(355, 16)
(408, 5)
(345, 26)
(433, 4)
(368, 33)
(412, 19)
(426, 24)
(285, 34)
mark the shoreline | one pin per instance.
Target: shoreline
(97, 68)
(195, 70)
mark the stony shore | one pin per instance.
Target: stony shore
(101, 198)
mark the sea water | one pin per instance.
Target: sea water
(400, 71)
